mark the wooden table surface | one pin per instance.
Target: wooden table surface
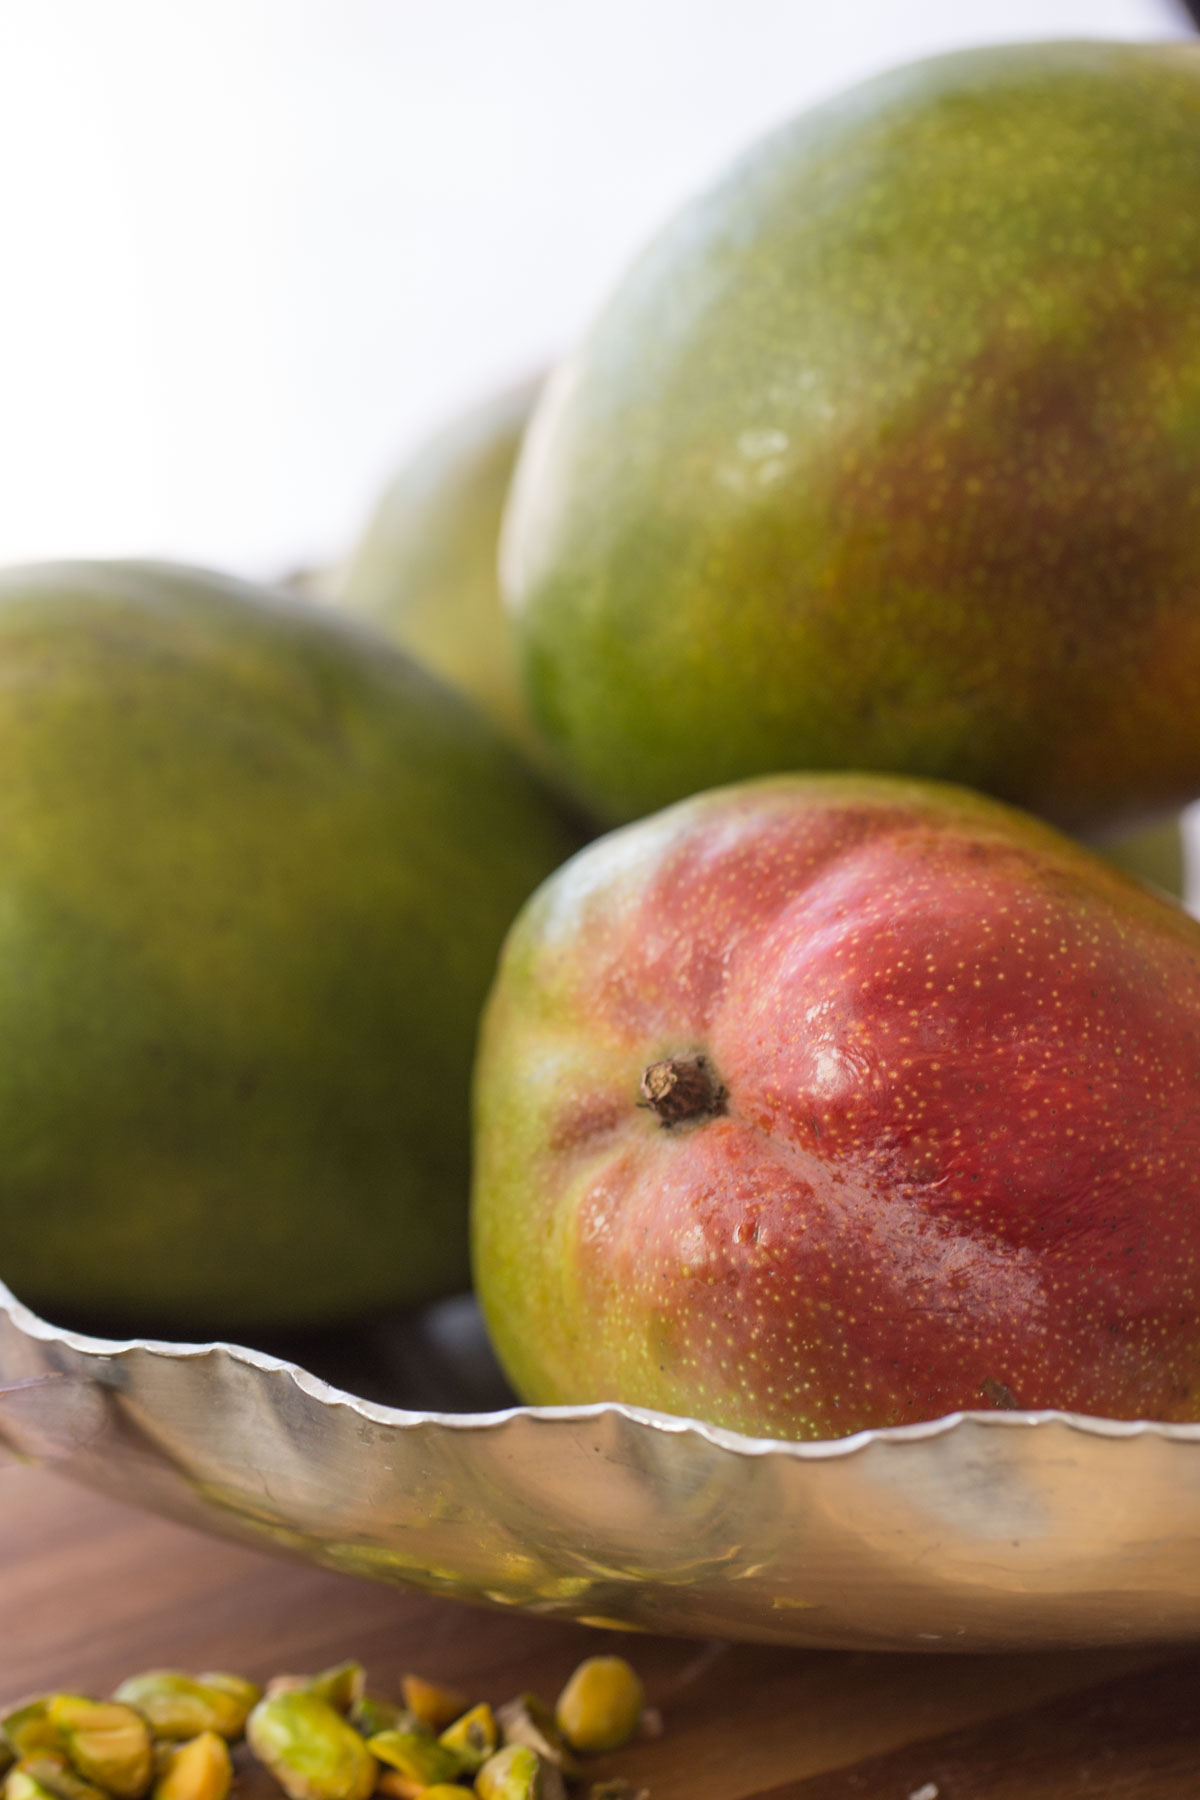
(91, 1591)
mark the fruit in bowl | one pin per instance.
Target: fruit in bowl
(257, 868)
(824, 1102)
(885, 455)
(424, 570)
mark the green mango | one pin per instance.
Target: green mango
(424, 570)
(886, 456)
(256, 868)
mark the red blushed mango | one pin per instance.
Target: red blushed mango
(824, 1102)
(887, 455)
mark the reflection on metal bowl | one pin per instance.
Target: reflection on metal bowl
(1003, 1530)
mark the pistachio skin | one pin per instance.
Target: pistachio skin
(600, 1705)
(311, 1750)
(884, 455)
(957, 1160)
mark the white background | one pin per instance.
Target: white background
(253, 249)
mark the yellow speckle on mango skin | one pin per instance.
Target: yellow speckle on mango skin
(887, 454)
(914, 1200)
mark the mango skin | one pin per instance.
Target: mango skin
(887, 455)
(255, 869)
(424, 570)
(958, 1161)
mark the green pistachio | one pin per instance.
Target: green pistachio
(27, 1728)
(180, 1706)
(528, 1720)
(514, 1773)
(200, 1769)
(371, 1715)
(340, 1687)
(421, 1762)
(310, 1748)
(600, 1706)
(473, 1737)
(21, 1784)
(106, 1742)
(246, 1693)
(49, 1773)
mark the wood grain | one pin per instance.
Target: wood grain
(91, 1591)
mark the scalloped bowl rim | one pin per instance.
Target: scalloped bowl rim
(738, 1443)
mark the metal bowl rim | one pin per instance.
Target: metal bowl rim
(737, 1443)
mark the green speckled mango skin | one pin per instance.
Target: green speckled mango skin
(425, 572)
(255, 869)
(958, 1161)
(886, 455)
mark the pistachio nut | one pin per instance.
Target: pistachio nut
(246, 1693)
(473, 1737)
(22, 1784)
(181, 1706)
(420, 1762)
(27, 1728)
(106, 1742)
(200, 1769)
(445, 1790)
(371, 1715)
(617, 1788)
(528, 1720)
(435, 1706)
(311, 1750)
(514, 1773)
(50, 1773)
(601, 1705)
(340, 1687)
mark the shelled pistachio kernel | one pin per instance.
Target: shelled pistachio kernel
(313, 1753)
(419, 1762)
(48, 1772)
(601, 1704)
(371, 1715)
(528, 1720)
(246, 1693)
(179, 1706)
(106, 1742)
(514, 1773)
(435, 1706)
(341, 1687)
(474, 1737)
(27, 1727)
(200, 1769)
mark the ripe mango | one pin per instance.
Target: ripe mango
(824, 1102)
(886, 455)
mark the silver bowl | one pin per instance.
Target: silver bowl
(980, 1531)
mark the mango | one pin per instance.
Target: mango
(823, 1102)
(886, 455)
(256, 868)
(424, 570)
